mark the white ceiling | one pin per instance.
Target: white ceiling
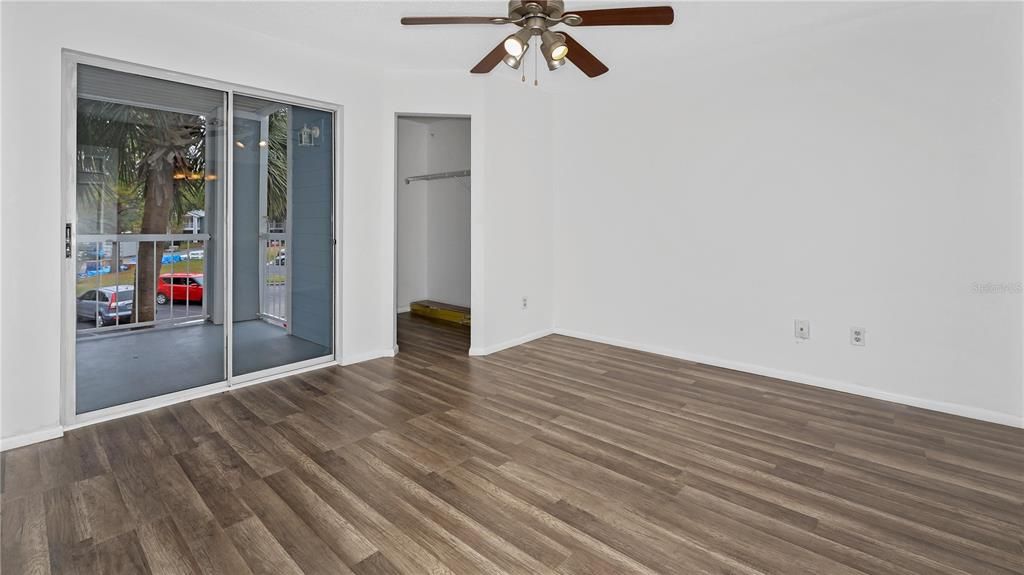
(370, 31)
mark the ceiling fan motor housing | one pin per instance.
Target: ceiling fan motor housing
(551, 8)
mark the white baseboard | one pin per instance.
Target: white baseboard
(806, 379)
(487, 350)
(361, 357)
(403, 309)
(16, 441)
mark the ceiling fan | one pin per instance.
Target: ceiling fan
(536, 17)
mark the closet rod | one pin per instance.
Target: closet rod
(438, 176)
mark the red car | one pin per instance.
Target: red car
(179, 287)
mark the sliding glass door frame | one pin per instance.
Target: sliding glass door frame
(70, 61)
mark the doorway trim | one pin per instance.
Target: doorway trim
(476, 241)
(70, 60)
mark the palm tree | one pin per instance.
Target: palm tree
(161, 175)
(161, 163)
(277, 166)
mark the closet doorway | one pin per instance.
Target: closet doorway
(433, 232)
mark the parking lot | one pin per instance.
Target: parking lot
(275, 299)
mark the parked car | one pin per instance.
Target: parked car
(196, 254)
(107, 305)
(179, 287)
(90, 251)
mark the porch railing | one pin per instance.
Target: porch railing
(274, 278)
(109, 297)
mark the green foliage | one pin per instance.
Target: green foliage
(129, 209)
(143, 139)
(277, 167)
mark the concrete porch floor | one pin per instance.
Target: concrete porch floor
(138, 365)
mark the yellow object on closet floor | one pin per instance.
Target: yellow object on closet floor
(442, 311)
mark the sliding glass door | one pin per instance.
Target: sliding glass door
(283, 250)
(157, 271)
(148, 273)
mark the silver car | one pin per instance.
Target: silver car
(107, 305)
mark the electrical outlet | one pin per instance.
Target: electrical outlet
(802, 329)
(858, 335)
(525, 302)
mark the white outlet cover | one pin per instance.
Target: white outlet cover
(858, 336)
(802, 329)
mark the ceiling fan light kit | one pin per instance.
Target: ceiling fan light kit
(516, 44)
(553, 46)
(536, 17)
(514, 61)
(555, 64)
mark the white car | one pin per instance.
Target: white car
(196, 255)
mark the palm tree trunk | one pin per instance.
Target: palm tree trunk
(156, 213)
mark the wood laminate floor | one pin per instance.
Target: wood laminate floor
(558, 456)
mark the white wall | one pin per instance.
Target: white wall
(866, 173)
(433, 215)
(518, 220)
(412, 213)
(448, 212)
(32, 37)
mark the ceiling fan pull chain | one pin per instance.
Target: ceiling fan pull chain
(524, 68)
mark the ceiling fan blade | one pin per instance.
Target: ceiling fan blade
(422, 20)
(582, 57)
(490, 60)
(638, 16)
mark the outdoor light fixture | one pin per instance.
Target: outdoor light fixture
(308, 135)
(190, 176)
(263, 143)
(553, 47)
(239, 144)
(516, 44)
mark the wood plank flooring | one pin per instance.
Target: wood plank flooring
(558, 456)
